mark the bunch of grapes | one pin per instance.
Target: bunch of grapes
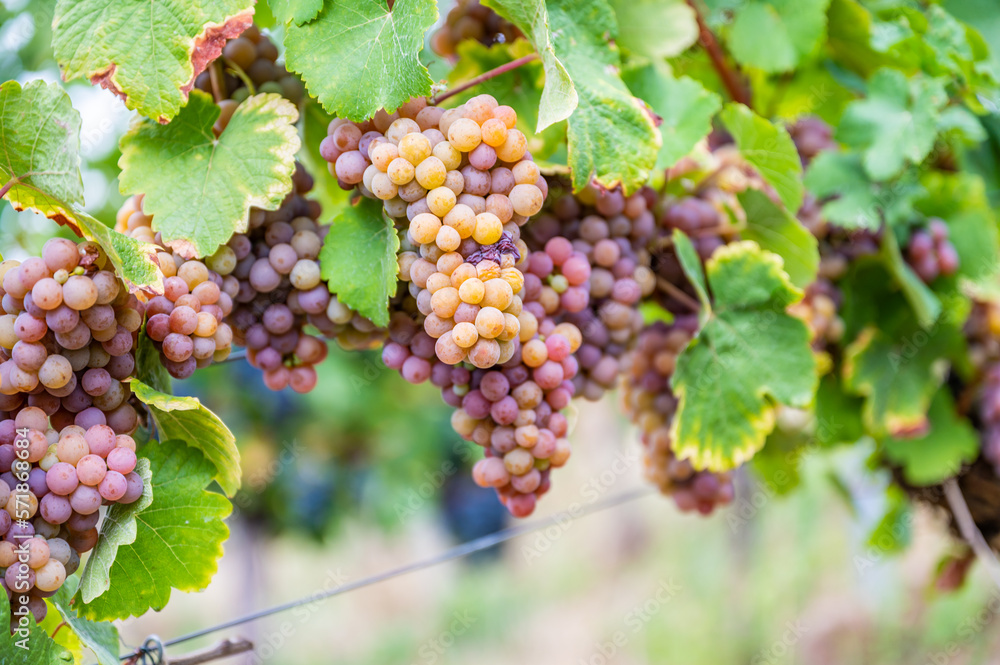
(930, 252)
(611, 233)
(251, 62)
(469, 19)
(67, 338)
(67, 342)
(187, 323)
(811, 137)
(280, 291)
(818, 309)
(651, 404)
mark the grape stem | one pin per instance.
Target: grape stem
(678, 294)
(971, 533)
(215, 79)
(485, 76)
(734, 86)
(6, 188)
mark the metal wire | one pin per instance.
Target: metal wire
(457, 552)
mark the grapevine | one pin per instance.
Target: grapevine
(768, 232)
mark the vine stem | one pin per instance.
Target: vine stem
(969, 530)
(485, 76)
(221, 650)
(6, 188)
(730, 79)
(215, 78)
(678, 294)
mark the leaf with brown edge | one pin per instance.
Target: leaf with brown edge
(40, 169)
(147, 52)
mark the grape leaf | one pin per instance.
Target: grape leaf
(895, 528)
(559, 97)
(769, 149)
(119, 528)
(611, 137)
(776, 35)
(198, 188)
(358, 259)
(775, 230)
(748, 355)
(690, 262)
(148, 368)
(101, 638)
(178, 539)
(41, 142)
(187, 419)
(655, 29)
(299, 11)
(520, 88)
(838, 415)
(925, 304)
(858, 202)
(32, 647)
(897, 378)
(148, 53)
(684, 105)
(940, 454)
(358, 57)
(40, 137)
(65, 638)
(895, 124)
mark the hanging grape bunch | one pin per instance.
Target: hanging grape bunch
(67, 345)
(650, 404)
(612, 233)
(469, 19)
(931, 253)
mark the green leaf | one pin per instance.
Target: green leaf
(178, 540)
(897, 378)
(655, 29)
(895, 124)
(186, 419)
(40, 137)
(690, 262)
(249, 165)
(776, 35)
(101, 638)
(611, 136)
(940, 454)
(775, 230)
(32, 647)
(559, 97)
(358, 57)
(925, 304)
(148, 368)
(838, 415)
(359, 260)
(41, 141)
(893, 532)
(684, 105)
(299, 11)
(119, 528)
(859, 203)
(769, 149)
(148, 53)
(64, 638)
(749, 355)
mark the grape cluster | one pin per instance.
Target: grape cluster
(651, 404)
(811, 137)
(931, 253)
(251, 62)
(281, 290)
(989, 415)
(67, 338)
(187, 323)
(469, 19)
(612, 234)
(67, 342)
(818, 309)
